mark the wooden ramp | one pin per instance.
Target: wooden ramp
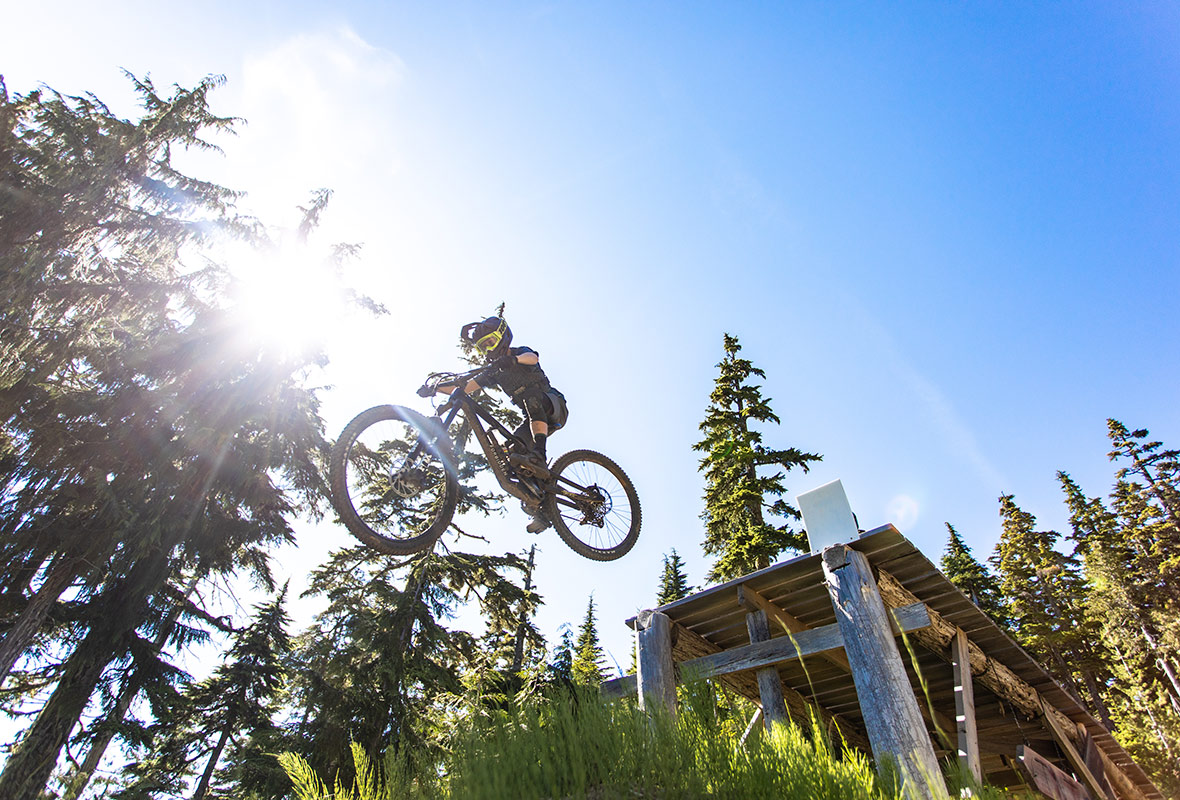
(986, 701)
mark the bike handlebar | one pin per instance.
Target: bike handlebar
(460, 379)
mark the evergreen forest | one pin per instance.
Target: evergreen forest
(153, 460)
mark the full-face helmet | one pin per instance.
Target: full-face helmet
(491, 337)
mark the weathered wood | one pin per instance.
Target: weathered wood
(892, 719)
(770, 686)
(968, 736)
(688, 644)
(1046, 778)
(1093, 757)
(753, 723)
(937, 638)
(618, 688)
(1076, 760)
(810, 642)
(657, 674)
(995, 676)
(751, 600)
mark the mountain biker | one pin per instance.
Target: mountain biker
(518, 374)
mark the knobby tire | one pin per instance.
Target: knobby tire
(576, 537)
(439, 448)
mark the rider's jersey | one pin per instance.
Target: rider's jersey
(517, 379)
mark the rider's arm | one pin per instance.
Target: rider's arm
(471, 387)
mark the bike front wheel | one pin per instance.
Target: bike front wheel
(393, 480)
(593, 505)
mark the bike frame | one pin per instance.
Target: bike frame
(512, 482)
(524, 488)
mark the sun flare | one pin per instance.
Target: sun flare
(287, 296)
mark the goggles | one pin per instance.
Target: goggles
(488, 343)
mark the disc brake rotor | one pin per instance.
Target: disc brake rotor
(599, 505)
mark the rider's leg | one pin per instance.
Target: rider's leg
(540, 434)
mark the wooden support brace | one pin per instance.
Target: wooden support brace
(968, 736)
(995, 676)
(1046, 778)
(1093, 757)
(688, 645)
(751, 600)
(656, 681)
(770, 686)
(1075, 759)
(892, 719)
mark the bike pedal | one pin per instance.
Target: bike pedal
(529, 466)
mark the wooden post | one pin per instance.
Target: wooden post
(1093, 758)
(965, 707)
(1076, 760)
(892, 719)
(770, 686)
(657, 675)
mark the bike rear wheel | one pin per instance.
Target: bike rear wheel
(593, 505)
(393, 480)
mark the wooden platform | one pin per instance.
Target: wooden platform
(1019, 710)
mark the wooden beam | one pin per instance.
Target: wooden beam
(813, 641)
(656, 681)
(1076, 760)
(995, 676)
(618, 688)
(1093, 756)
(687, 644)
(968, 736)
(892, 719)
(1046, 778)
(751, 600)
(770, 686)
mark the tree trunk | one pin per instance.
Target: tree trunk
(207, 776)
(30, 767)
(61, 574)
(80, 778)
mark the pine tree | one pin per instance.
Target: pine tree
(561, 667)
(971, 577)
(379, 665)
(223, 714)
(589, 667)
(740, 503)
(1045, 594)
(149, 443)
(673, 582)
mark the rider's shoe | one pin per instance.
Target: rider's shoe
(538, 524)
(531, 462)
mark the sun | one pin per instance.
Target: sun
(286, 296)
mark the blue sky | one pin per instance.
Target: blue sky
(948, 232)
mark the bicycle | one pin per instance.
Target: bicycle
(394, 478)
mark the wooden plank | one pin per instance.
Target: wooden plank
(770, 686)
(687, 644)
(657, 674)
(1093, 757)
(997, 677)
(753, 601)
(1046, 778)
(892, 719)
(618, 688)
(968, 736)
(810, 642)
(1076, 761)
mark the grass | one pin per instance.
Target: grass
(578, 747)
